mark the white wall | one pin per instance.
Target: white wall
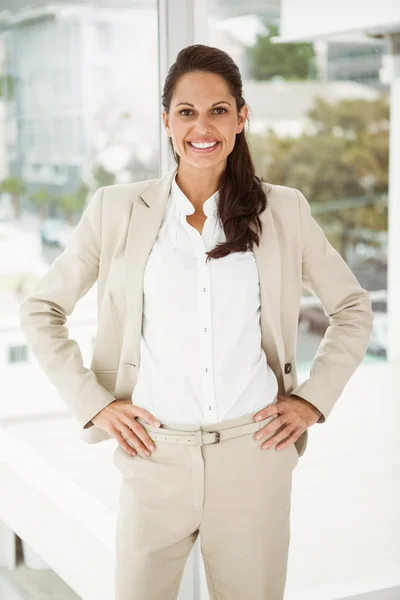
(312, 18)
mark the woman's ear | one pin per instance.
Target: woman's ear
(166, 121)
(243, 114)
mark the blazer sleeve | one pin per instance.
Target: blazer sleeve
(348, 306)
(44, 311)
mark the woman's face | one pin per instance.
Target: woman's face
(203, 110)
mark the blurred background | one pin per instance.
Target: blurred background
(80, 108)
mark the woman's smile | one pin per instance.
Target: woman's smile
(205, 149)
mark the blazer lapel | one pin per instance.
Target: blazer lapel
(145, 221)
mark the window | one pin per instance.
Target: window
(71, 113)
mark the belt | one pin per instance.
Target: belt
(198, 437)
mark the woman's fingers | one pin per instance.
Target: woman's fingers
(134, 440)
(141, 434)
(270, 428)
(118, 419)
(284, 434)
(124, 444)
(138, 411)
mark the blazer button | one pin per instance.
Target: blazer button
(288, 368)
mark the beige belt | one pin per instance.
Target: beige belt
(198, 437)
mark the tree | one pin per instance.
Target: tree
(291, 61)
(41, 199)
(364, 124)
(102, 176)
(73, 202)
(6, 87)
(345, 160)
(15, 187)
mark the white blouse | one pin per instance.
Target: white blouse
(201, 355)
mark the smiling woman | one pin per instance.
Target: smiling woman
(209, 144)
(198, 348)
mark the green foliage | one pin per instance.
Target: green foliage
(267, 60)
(12, 185)
(6, 87)
(41, 199)
(73, 202)
(346, 158)
(15, 187)
(102, 176)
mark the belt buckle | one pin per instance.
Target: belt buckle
(217, 437)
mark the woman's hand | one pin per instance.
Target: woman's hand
(118, 418)
(293, 413)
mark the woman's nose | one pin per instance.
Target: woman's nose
(202, 123)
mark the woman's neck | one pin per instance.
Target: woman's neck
(198, 184)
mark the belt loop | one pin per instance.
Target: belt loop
(199, 437)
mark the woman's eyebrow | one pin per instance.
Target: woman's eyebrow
(215, 103)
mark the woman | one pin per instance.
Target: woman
(199, 281)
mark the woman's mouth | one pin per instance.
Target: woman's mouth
(203, 148)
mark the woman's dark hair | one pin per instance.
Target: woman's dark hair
(241, 196)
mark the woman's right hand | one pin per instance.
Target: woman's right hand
(119, 417)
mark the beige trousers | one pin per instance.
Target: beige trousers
(232, 493)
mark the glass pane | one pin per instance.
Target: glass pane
(79, 85)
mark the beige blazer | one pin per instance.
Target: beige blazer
(111, 244)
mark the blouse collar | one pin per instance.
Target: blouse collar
(184, 205)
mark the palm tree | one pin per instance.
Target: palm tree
(15, 187)
(40, 199)
(72, 202)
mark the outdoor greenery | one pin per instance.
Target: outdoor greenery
(70, 203)
(41, 199)
(291, 62)
(6, 87)
(345, 157)
(74, 202)
(102, 176)
(15, 187)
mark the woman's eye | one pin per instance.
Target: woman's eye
(185, 110)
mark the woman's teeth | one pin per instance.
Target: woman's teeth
(209, 145)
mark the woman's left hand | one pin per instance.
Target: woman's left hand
(294, 413)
